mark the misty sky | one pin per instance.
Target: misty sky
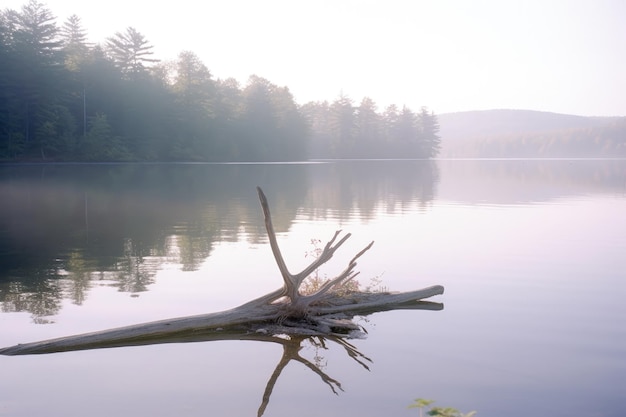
(564, 56)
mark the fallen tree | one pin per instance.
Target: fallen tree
(325, 312)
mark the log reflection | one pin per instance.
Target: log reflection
(290, 334)
(292, 345)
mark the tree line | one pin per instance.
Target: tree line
(606, 139)
(64, 99)
(342, 130)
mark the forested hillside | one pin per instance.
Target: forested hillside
(524, 133)
(64, 99)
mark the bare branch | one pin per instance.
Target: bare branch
(325, 256)
(365, 249)
(290, 286)
(292, 282)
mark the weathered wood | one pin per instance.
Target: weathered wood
(283, 311)
(301, 302)
(237, 323)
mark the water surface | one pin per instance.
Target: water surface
(531, 253)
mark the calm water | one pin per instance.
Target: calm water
(532, 255)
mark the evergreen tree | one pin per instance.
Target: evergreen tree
(11, 138)
(36, 82)
(258, 121)
(291, 129)
(407, 135)
(101, 144)
(229, 100)
(273, 129)
(342, 127)
(317, 116)
(368, 125)
(37, 32)
(194, 92)
(194, 87)
(74, 41)
(228, 111)
(131, 51)
(430, 139)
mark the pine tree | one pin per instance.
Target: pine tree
(131, 51)
(430, 139)
(74, 38)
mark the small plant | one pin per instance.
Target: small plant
(422, 404)
(315, 281)
(375, 285)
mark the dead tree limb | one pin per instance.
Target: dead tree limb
(300, 303)
(283, 311)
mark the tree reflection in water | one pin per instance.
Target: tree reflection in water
(74, 226)
(292, 345)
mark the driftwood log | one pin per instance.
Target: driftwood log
(325, 313)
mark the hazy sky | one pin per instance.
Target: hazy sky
(564, 56)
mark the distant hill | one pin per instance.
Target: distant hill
(492, 133)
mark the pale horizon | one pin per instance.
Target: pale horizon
(450, 56)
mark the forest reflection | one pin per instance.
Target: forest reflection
(64, 227)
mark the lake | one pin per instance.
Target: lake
(532, 255)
